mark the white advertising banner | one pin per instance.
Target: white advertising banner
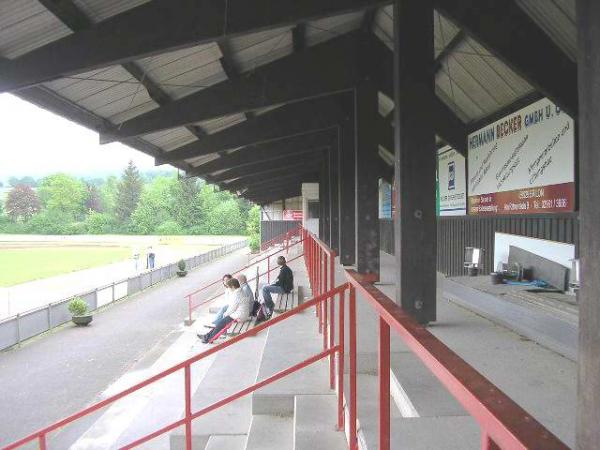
(452, 182)
(523, 163)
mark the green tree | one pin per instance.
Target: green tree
(93, 201)
(22, 203)
(225, 218)
(186, 208)
(48, 222)
(128, 193)
(253, 228)
(108, 193)
(155, 206)
(63, 194)
(99, 223)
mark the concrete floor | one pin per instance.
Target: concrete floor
(59, 373)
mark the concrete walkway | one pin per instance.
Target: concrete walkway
(60, 373)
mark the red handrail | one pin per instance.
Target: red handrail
(41, 435)
(188, 297)
(283, 237)
(504, 424)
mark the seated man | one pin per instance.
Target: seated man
(283, 284)
(239, 310)
(245, 287)
(226, 302)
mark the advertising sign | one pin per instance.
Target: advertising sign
(385, 200)
(451, 183)
(523, 163)
(292, 214)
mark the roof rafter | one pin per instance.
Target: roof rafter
(311, 157)
(70, 15)
(503, 28)
(302, 177)
(283, 172)
(163, 25)
(281, 148)
(289, 120)
(291, 78)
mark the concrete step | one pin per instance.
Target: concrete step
(148, 409)
(435, 433)
(367, 404)
(234, 369)
(417, 392)
(226, 442)
(270, 433)
(315, 423)
(289, 343)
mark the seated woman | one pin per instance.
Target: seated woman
(226, 302)
(239, 309)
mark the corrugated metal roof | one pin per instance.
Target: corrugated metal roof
(186, 71)
(170, 139)
(324, 29)
(386, 104)
(383, 26)
(202, 159)
(253, 50)
(558, 19)
(483, 79)
(444, 29)
(220, 123)
(111, 93)
(26, 25)
(99, 10)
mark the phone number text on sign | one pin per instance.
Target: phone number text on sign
(554, 198)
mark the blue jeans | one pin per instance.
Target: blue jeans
(267, 291)
(222, 323)
(220, 314)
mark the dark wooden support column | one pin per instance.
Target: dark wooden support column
(321, 203)
(415, 220)
(334, 203)
(367, 174)
(347, 191)
(325, 202)
(588, 396)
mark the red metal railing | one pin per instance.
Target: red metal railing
(503, 423)
(192, 296)
(283, 238)
(41, 435)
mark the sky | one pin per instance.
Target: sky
(37, 142)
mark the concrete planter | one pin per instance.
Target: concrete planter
(82, 321)
(182, 273)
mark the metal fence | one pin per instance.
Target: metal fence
(16, 329)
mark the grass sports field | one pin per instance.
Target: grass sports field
(18, 265)
(26, 258)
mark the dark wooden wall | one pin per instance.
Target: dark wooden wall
(456, 233)
(270, 229)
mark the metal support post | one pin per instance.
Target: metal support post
(384, 385)
(352, 343)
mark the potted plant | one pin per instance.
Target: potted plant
(181, 266)
(79, 311)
